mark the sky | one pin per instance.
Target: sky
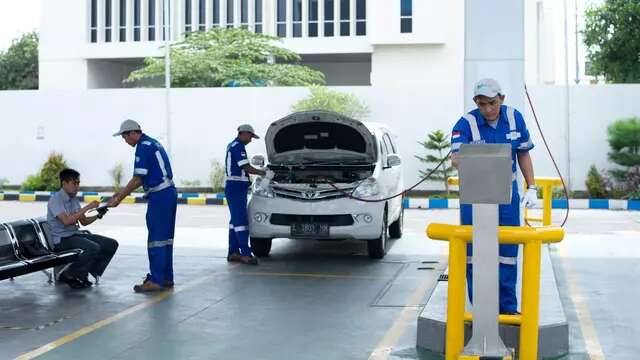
(17, 17)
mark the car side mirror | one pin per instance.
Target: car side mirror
(393, 160)
(257, 160)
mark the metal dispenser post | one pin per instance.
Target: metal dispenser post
(485, 182)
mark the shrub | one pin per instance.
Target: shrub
(595, 183)
(438, 142)
(48, 177)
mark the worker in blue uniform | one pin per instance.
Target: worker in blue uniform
(152, 171)
(494, 123)
(237, 169)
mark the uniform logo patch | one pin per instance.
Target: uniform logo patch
(455, 134)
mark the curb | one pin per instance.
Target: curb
(408, 203)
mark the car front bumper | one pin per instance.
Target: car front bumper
(367, 217)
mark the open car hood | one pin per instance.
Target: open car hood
(319, 137)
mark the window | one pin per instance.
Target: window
(313, 18)
(216, 13)
(187, 16)
(345, 18)
(108, 14)
(244, 14)
(136, 20)
(152, 20)
(230, 20)
(329, 17)
(361, 17)
(258, 12)
(93, 30)
(406, 16)
(123, 20)
(281, 22)
(202, 15)
(297, 18)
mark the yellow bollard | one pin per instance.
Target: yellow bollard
(532, 238)
(456, 293)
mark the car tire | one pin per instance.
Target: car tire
(395, 230)
(377, 248)
(261, 247)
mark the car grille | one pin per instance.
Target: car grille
(331, 220)
(312, 194)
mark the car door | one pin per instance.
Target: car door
(392, 177)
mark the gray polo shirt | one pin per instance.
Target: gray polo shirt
(60, 203)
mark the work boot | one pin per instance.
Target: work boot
(147, 286)
(234, 257)
(249, 260)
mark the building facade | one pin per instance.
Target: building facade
(90, 44)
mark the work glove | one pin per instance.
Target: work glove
(269, 174)
(530, 197)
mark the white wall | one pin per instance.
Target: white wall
(79, 124)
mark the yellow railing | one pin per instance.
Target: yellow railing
(532, 238)
(546, 184)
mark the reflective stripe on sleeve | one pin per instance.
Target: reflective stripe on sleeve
(473, 124)
(161, 243)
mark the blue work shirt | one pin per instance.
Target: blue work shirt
(152, 163)
(235, 159)
(504, 133)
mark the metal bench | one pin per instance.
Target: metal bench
(32, 250)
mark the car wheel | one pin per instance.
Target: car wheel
(260, 247)
(378, 248)
(395, 230)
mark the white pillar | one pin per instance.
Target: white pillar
(289, 18)
(503, 61)
(320, 18)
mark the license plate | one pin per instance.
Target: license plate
(310, 230)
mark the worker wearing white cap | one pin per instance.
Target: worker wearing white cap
(237, 169)
(152, 170)
(494, 123)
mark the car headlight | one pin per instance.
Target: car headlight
(262, 187)
(367, 189)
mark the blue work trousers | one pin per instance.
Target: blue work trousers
(236, 194)
(161, 224)
(509, 215)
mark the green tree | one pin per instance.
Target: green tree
(48, 178)
(611, 36)
(437, 142)
(19, 64)
(322, 98)
(595, 183)
(229, 57)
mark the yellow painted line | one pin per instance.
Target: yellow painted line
(197, 201)
(589, 333)
(102, 323)
(129, 200)
(27, 197)
(407, 316)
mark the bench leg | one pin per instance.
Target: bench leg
(12, 279)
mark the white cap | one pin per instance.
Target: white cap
(487, 87)
(248, 128)
(128, 125)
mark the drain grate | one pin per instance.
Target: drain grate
(443, 277)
